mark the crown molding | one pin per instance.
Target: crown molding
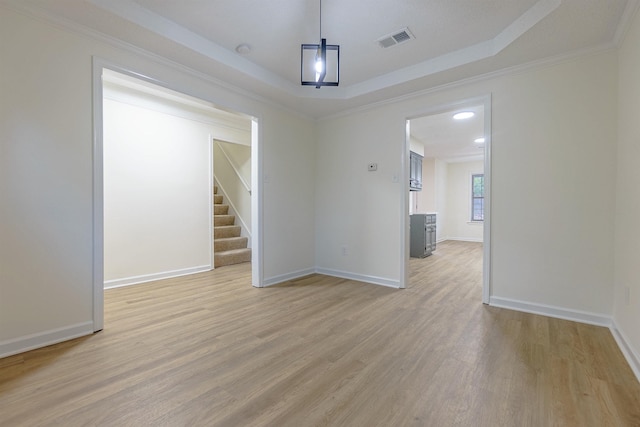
(133, 12)
(34, 12)
(633, 6)
(507, 71)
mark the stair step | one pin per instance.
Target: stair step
(217, 199)
(220, 209)
(220, 232)
(234, 256)
(215, 189)
(229, 243)
(223, 220)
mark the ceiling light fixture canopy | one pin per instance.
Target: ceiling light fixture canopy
(243, 49)
(320, 63)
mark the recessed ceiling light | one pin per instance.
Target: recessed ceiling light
(243, 49)
(464, 115)
(479, 140)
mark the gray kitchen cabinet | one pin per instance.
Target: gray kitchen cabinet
(422, 235)
(415, 171)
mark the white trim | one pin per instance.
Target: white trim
(149, 20)
(597, 319)
(631, 356)
(380, 281)
(43, 339)
(212, 248)
(127, 281)
(465, 239)
(71, 26)
(145, 18)
(405, 210)
(271, 281)
(516, 69)
(98, 197)
(36, 12)
(626, 348)
(466, 55)
(360, 277)
(257, 204)
(486, 231)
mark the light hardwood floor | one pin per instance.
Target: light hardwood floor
(210, 350)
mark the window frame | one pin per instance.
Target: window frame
(474, 197)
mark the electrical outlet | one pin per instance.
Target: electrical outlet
(372, 167)
(345, 251)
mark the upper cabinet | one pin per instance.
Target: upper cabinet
(415, 171)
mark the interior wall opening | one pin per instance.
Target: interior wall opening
(156, 214)
(449, 178)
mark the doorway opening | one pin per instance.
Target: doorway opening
(154, 213)
(449, 162)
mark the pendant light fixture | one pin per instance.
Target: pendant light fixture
(320, 63)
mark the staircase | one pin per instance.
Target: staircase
(229, 248)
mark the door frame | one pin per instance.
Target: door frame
(98, 64)
(485, 101)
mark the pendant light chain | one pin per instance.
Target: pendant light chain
(320, 19)
(314, 68)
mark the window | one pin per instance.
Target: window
(477, 197)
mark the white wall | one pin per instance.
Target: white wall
(458, 202)
(357, 211)
(46, 168)
(553, 127)
(553, 171)
(626, 311)
(416, 146)
(157, 194)
(441, 182)
(427, 197)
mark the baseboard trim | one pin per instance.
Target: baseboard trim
(627, 350)
(330, 272)
(43, 339)
(552, 311)
(359, 277)
(632, 357)
(464, 239)
(285, 277)
(127, 281)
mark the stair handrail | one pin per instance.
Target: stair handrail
(234, 167)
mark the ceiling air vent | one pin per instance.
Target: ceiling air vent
(395, 38)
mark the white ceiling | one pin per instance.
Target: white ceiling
(454, 39)
(448, 139)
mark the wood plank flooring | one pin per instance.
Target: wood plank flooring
(210, 350)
